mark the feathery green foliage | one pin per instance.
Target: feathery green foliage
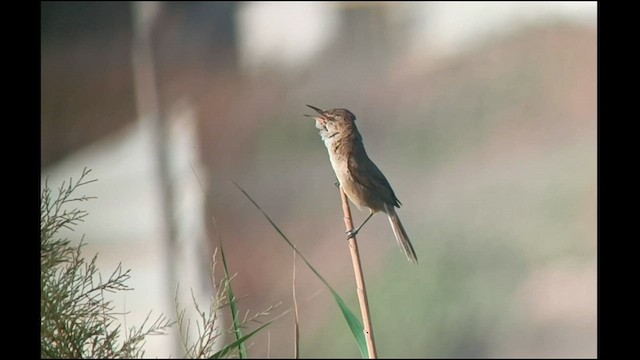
(75, 319)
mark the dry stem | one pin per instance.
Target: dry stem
(361, 289)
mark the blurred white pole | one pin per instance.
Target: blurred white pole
(148, 107)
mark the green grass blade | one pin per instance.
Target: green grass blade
(352, 320)
(237, 343)
(242, 350)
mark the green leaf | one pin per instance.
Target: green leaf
(352, 320)
(236, 343)
(354, 324)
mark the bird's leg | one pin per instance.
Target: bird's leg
(352, 233)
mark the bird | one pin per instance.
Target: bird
(360, 179)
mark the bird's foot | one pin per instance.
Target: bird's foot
(351, 233)
(337, 184)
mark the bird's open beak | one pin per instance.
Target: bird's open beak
(320, 120)
(320, 111)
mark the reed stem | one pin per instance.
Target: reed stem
(361, 288)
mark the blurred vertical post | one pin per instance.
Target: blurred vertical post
(148, 107)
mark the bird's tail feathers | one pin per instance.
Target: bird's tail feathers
(401, 234)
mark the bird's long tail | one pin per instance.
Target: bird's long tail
(401, 235)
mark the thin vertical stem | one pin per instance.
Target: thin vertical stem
(296, 328)
(361, 288)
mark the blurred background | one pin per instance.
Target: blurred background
(482, 115)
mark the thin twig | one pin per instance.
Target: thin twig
(296, 330)
(268, 344)
(361, 288)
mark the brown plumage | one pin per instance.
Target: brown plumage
(360, 178)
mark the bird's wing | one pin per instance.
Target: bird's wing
(366, 173)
